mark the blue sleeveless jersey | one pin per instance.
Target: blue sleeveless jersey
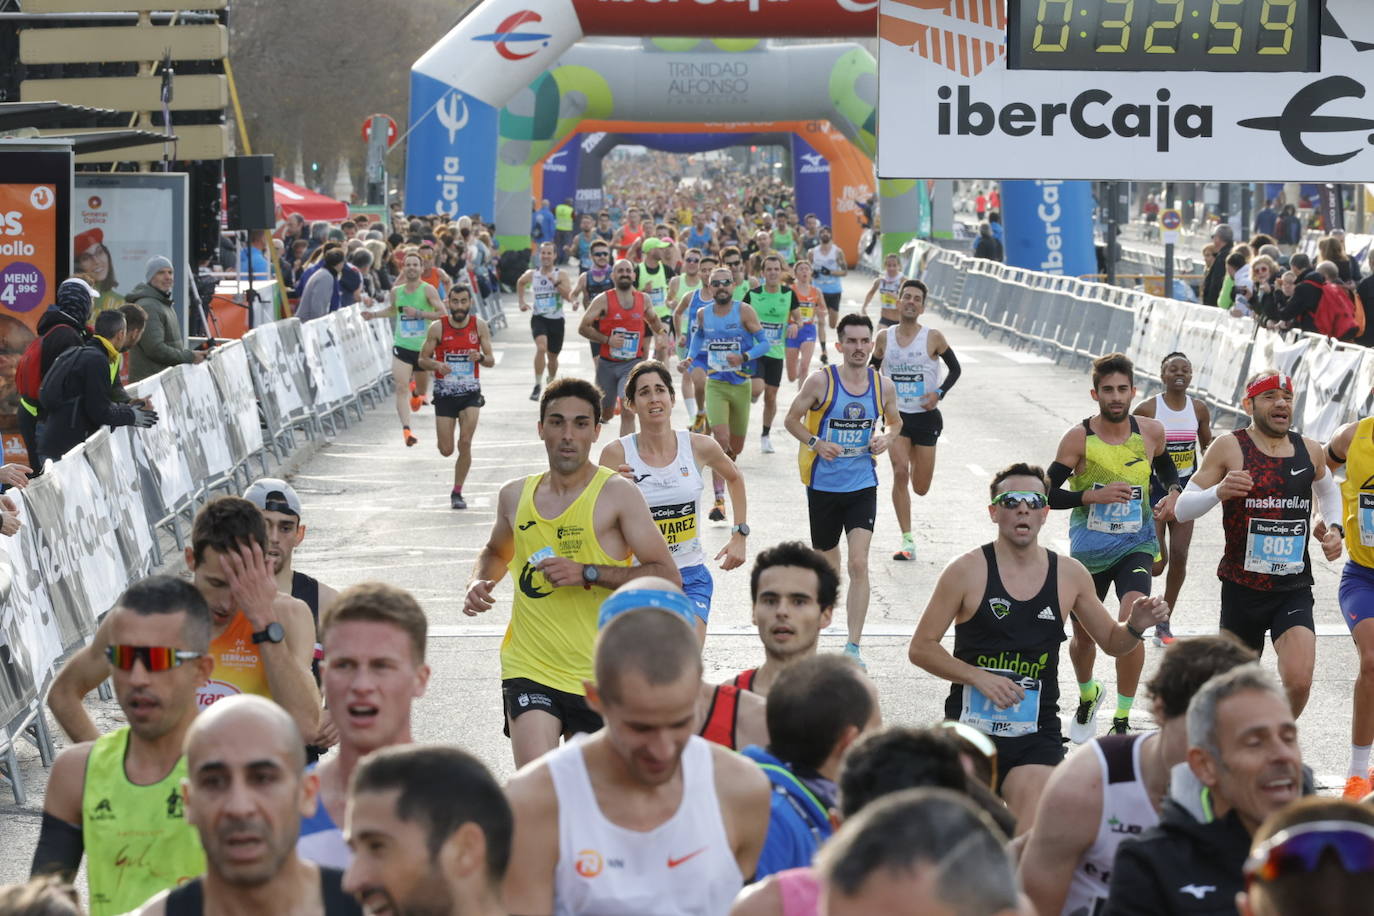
(850, 421)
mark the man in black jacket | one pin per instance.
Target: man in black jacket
(1223, 239)
(1243, 764)
(66, 320)
(76, 395)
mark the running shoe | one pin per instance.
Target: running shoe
(825, 360)
(718, 511)
(415, 403)
(908, 549)
(766, 445)
(1121, 725)
(1356, 788)
(851, 650)
(1163, 635)
(1083, 726)
(534, 395)
(408, 437)
(699, 424)
(456, 501)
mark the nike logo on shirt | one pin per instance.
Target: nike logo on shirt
(674, 863)
(1297, 472)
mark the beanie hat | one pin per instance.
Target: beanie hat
(155, 264)
(74, 299)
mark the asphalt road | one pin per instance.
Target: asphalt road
(376, 510)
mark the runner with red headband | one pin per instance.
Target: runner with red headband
(1265, 477)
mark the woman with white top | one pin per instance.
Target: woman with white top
(665, 464)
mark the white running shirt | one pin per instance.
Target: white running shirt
(683, 867)
(914, 374)
(672, 493)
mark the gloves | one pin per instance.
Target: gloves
(144, 417)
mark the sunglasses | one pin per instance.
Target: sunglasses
(1301, 850)
(722, 283)
(155, 658)
(692, 260)
(971, 738)
(1013, 498)
(601, 254)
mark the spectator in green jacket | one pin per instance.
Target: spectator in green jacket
(162, 343)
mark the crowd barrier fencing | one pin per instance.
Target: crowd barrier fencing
(94, 521)
(1074, 321)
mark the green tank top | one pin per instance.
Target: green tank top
(136, 837)
(410, 332)
(655, 286)
(784, 245)
(1102, 534)
(773, 309)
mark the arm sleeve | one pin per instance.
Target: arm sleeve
(1061, 498)
(1329, 500)
(59, 850)
(761, 346)
(1165, 470)
(955, 370)
(1195, 502)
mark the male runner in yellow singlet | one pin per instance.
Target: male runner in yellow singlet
(568, 537)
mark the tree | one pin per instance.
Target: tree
(308, 79)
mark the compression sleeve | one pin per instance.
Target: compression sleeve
(761, 345)
(952, 364)
(1061, 498)
(1195, 502)
(1329, 500)
(59, 849)
(1165, 470)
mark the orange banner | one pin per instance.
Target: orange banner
(28, 255)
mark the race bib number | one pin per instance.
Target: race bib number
(1365, 518)
(852, 436)
(629, 346)
(678, 523)
(808, 312)
(414, 327)
(1184, 455)
(1117, 518)
(911, 387)
(1013, 722)
(1275, 546)
(462, 372)
(718, 353)
(773, 331)
(546, 304)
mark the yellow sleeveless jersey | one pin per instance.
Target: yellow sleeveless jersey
(1357, 492)
(1102, 534)
(551, 632)
(136, 837)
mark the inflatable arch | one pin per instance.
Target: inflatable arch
(505, 86)
(830, 176)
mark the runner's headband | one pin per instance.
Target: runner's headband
(1269, 383)
(674, 602)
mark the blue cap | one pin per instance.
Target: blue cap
(634, 599)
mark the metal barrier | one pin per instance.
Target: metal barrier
(1075, 321)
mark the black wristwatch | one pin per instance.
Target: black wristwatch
(741, 529)
(273, 632)
(590, 574)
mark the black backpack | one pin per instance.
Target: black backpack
(51, 394)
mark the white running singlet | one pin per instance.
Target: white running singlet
(914, 374)
(548, 302)
(1126, 812)
(1180, 435)
(672, 493)
(683, 867)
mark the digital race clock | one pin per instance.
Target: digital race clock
(1230, 36)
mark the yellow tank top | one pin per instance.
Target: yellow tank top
(1357, 492)
(551, 632)
(136, 837)
(238, 665)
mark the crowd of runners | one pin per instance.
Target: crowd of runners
(268, 762)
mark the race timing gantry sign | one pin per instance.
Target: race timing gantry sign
(1214, 90)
